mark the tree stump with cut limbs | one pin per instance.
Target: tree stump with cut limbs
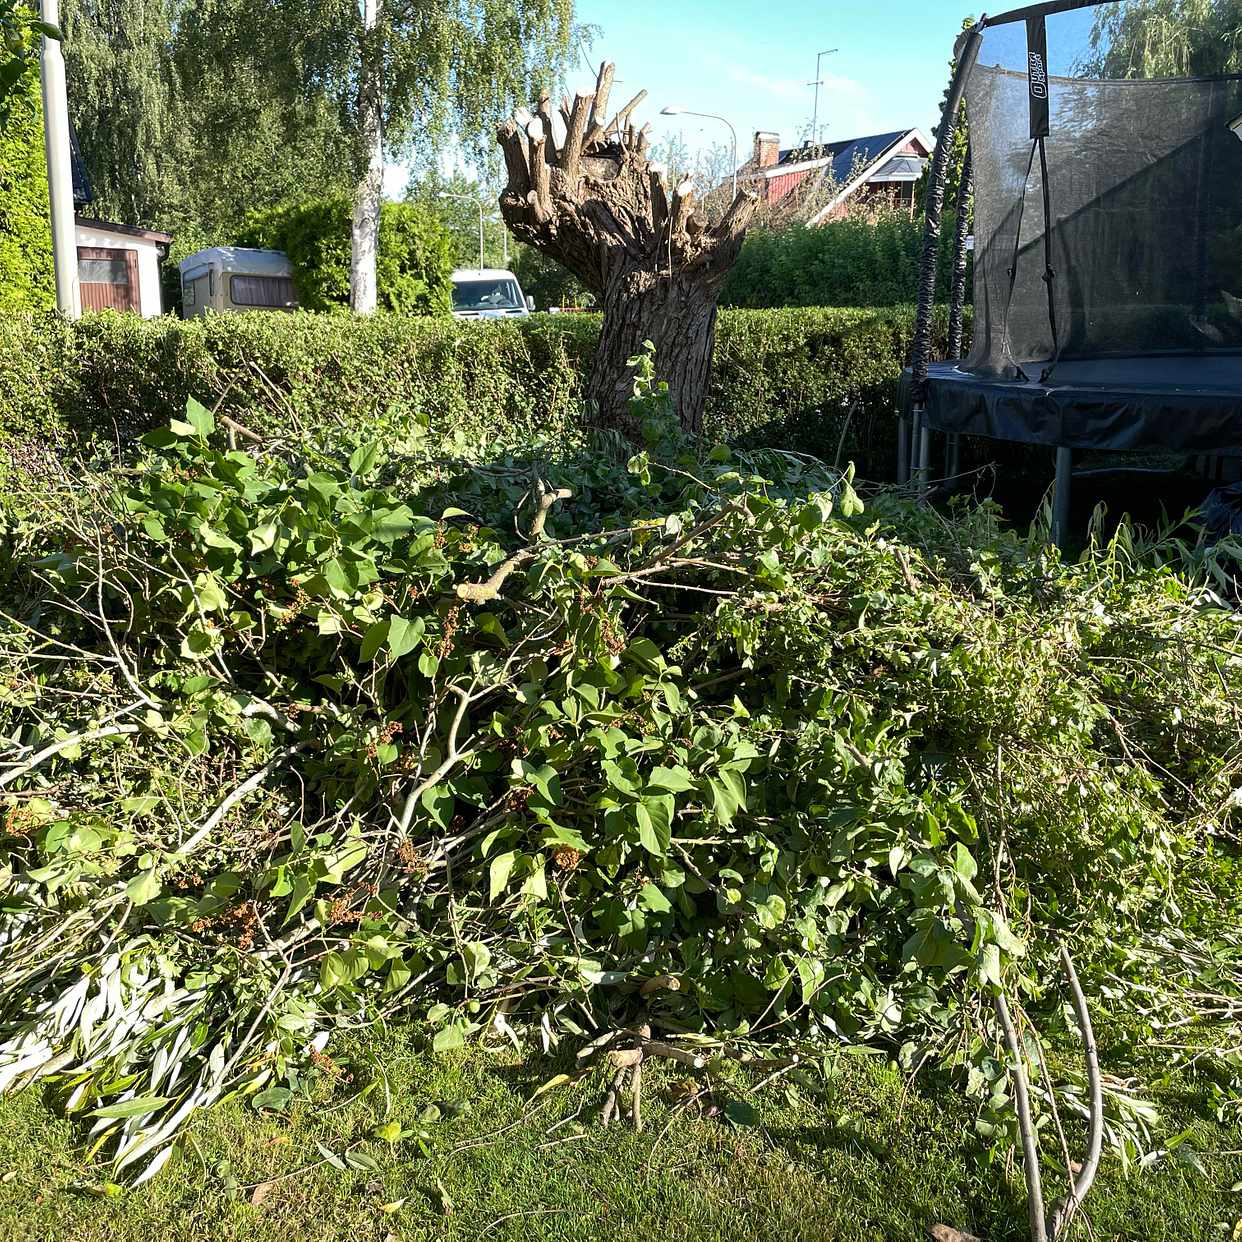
(582, 189)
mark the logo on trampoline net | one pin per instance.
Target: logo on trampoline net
(1037, 75)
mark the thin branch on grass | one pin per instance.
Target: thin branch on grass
(1026, 1125)
(1063, 1213)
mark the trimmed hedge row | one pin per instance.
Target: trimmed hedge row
(818, 380)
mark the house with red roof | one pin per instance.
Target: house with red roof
(836, 176)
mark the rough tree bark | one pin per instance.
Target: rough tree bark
(581, 189)
(364, 233)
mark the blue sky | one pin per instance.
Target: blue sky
(751, 62)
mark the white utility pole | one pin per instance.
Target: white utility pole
(59, 168)
(819, 81)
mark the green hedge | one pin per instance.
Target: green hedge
(25, 230)
(793, 379)
(860, 260)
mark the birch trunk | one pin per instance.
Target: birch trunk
(368, 194)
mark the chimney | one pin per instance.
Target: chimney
(767, 149)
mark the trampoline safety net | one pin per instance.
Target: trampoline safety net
(1132, 246)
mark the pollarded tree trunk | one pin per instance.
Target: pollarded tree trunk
(582, 190)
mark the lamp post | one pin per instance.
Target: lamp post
(59, 168)
(469, 198)
(819, 56)
(677, 110)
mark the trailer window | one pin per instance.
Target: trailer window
(262, 291)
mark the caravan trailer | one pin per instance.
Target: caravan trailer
(233, 278)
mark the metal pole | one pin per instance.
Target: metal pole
(924, 458)
(59, 168)
(479, 205)
(1061, 496)
(504, 242)
(819, 56)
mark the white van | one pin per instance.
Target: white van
(488, 293)
(235, 278)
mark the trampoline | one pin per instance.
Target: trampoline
(1107, 248)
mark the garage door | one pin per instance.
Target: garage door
(109, 278)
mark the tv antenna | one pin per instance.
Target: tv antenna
(819, 81)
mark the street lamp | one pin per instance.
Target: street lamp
(677, 110)
(469, 198)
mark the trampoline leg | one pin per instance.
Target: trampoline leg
(1061, 496)
(953, 456)
(924, 458)
(903, 448)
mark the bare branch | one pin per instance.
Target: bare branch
(1063, 1213)
(1026, 1126)
(599, 107)
(572, 155)
(618, 122)
(74, 739)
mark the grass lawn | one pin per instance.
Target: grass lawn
(863, 1157)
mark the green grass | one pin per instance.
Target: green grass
(863, 1157)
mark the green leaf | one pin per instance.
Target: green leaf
(362, 460)
(654, 817)
(374, 639)
(200, 417)
(133, 1108)
(477, 957)
(333, 971)
(741, 1113)
(274, 1099)
(403, 635)
(676, 780)
(331, 1157)
(144, 887)
(499, 872)
(536, 884)
(964, 864)
(450, 1039)
(650, 898)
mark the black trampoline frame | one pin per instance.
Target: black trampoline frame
(914, 429)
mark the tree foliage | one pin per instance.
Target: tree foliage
(1166, 38)
(453, 200)
(26, 281)
(20, 33)
(415, 253)
(179, 119)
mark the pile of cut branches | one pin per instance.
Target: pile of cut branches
(283, 750)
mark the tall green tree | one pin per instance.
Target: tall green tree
(454, 199)
(188, 121)
(1166, 38)
(409, 71)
